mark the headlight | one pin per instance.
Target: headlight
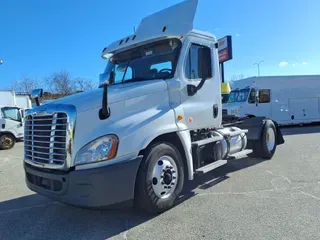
(101, 149)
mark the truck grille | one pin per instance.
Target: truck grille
(45, 138)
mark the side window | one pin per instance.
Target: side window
(121, 73)
(264, 96)
(194, 60)
(252, 96)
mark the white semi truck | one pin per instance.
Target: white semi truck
(155, 122)
(11, 118)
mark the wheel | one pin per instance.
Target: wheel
(266, 146)
(160, 178)
(7, 141)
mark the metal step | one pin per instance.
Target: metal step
(207, 140)
(211, 166)
(241, 154)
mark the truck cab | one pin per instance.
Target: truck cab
(154, 122)
(11, 126)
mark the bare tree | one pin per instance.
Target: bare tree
(84, 84)
(61, 83)
(25, 85)
(235, 77)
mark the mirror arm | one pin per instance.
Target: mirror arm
(104, 112)
(192, 90)
(37, 101)
(200, 85)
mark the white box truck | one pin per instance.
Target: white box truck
(11, 120)
(155, 122)
(285, 99)
(23, 101)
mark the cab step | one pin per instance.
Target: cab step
(241, 154)
(211, 166)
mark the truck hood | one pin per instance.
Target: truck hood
(119, 92)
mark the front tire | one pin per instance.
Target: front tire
(160, 178)
(7, 141)
(267, 145)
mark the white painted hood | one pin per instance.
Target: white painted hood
(116, 93)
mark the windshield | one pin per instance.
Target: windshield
(233, 96)
(225, 98)
(152, 61)
(243, 95)
(238, 95)
(11, 113)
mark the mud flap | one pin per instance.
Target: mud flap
(255, 125)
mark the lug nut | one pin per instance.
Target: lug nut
(173, 171)
(162, 183)
(173, 177)
(169, 186)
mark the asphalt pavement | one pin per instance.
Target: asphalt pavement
(245, 199)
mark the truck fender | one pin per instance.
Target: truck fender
(255, 126)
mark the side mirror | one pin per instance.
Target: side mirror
(36, 94)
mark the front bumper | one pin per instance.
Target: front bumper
(98, 187)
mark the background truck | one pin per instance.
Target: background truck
(285, 99)
(155, 122)
(11, 118)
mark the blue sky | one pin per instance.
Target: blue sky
(40, 37)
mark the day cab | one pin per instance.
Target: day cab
(154, 123)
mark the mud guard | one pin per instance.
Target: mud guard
(255, 125)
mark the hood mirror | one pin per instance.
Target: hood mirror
(37, 94)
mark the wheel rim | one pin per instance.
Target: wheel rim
(164, 177)
(6, 142)
(270, 139)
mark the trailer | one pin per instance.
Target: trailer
(285, 99)
(154, 123)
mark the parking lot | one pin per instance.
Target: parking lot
(246, 199)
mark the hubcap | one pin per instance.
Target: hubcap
(270, 139)
(164, 177)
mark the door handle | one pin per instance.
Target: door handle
(215, 110)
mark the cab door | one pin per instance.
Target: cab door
(203, 108)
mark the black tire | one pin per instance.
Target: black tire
(7, 141)
(145, 197)
(260, 148)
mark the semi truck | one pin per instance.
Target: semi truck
(285, 99)
(11, 119)
(154, 123)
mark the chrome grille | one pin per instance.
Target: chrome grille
(45, 138)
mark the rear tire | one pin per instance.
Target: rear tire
(267, 145)
(160, 178)
(7, 141)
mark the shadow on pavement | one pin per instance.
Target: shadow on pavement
(217, 176)
(304, 129)
(37, 217)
